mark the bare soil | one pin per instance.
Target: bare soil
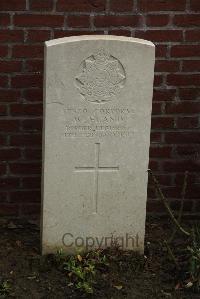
(32, 276)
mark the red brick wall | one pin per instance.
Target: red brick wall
(173, 25)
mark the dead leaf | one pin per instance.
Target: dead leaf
(118, 287)
(31, 277)
(19, 243)
(79, 257)
(11, 225)
(178, 286)
(166, 294)
(189, 285)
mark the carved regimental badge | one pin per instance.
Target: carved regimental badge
(101, 77)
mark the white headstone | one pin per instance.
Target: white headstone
(98, 99)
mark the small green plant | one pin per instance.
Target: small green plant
(81, 270)
(5, 289)
(59, 257)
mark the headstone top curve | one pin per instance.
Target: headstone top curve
(78, 38)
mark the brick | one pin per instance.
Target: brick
(126, 21)
(32, 125)
(38, 20)
(166, 66)
(26, 109)
(156, 137)
(24, 81)
(3, 197)
(78, 21)
(34, 66)
(9, 154)
(25, 168)
(28, 51)
(121, 6)
(2, 169)
(30, 209)
(81, 5)
(185, 51)
(187, 207)
(11, 36)
(160, 151)
(3, 51)
(155, 206)
(162, 5)
(9, 95)
(7, 209)
(12, 5)
(195, 5)
(189, 153)
(160, 35)
(153, 165)
(63, 33)
(4, 19)
(187, 122)
(158, 80)
(26, 140)
(3, 81)
(10, 66)
(2, 140)
(25, 196)
(179, 178)
(192, 35)
(156, 108)
(39, 5)
(184, 80)
(197, 207)
(9, 183)
(33, 95)
(162, 122)
(187, 20)
(193, 191)
(172, 192)
(151, 194)
(191, 66)
(33, 154)
(161, 50)
(38, 35)
(120, 32)
(9, 125)
(164, 95)
(163, 179)
(157, 20)
(189, 93)
(182, 107)
(31, 182)
(3, 110)
(182, 137)
(180, 166)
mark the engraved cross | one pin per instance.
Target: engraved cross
(96, 170)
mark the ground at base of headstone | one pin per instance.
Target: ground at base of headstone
(101, 274)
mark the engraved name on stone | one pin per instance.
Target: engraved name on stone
(99, 122)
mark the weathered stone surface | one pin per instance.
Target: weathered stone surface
(98, 99)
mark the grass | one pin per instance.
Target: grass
(5, 288)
